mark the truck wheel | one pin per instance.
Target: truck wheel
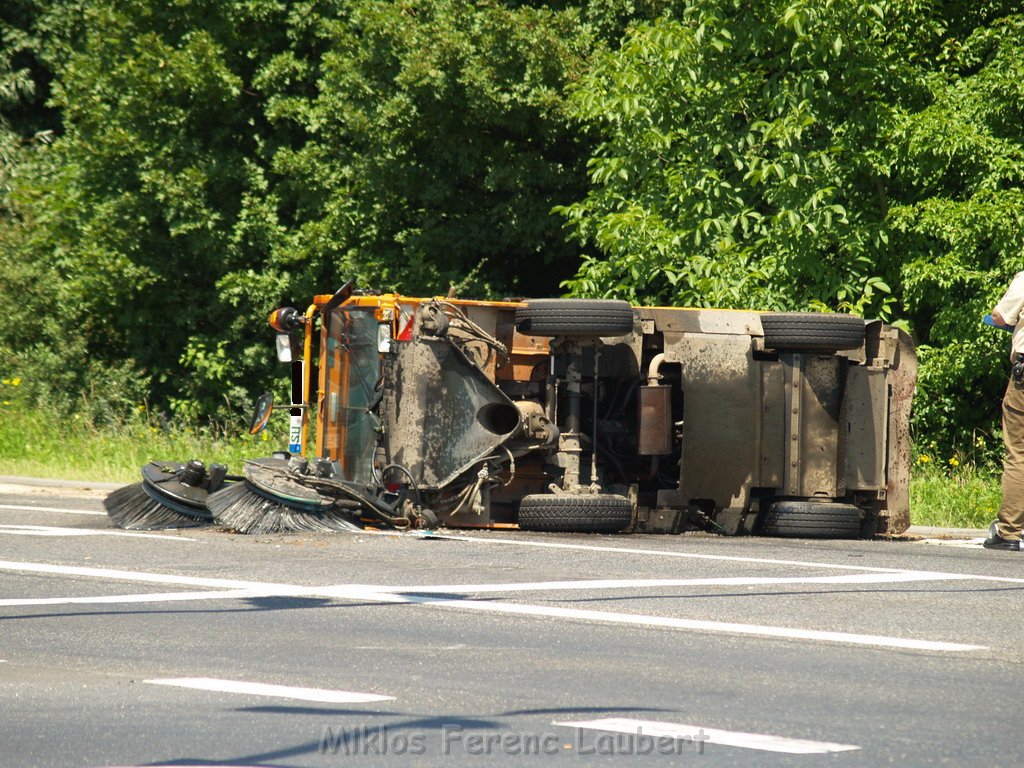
(799, 331)
(575, 317)
(812, 520)
(603, 513)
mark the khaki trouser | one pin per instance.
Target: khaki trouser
(1011, 512)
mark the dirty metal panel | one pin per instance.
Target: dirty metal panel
(654, 431)
(867, 425)
(721, 412)
(730, 321)
(814, 392)
(902, 379)
(772, 467)
(444, 415)
(671, 320)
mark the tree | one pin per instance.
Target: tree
(860, 157)
(217, 159)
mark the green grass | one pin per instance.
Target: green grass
(965, 496)
(36, 444)
(39, 445)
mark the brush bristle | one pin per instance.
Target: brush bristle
(241, 509)
(132, 508)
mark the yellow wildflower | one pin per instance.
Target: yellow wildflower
(954, 461)
(16, 381)
(7, 402)
(924, 458)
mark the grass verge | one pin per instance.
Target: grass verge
(36, 444)
(965, 496)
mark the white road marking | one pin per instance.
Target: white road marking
(612, 617)
(153, 597)
(700, 733)
(689, 555)
(968, 543)
(634, 551)
(142, 576)
(49, 530)
(53, 509)
(377, 593)
(724, 581)
(344, 591)
(277, 691)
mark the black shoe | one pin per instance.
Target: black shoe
(995, 541)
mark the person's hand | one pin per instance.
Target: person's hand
(998, 318)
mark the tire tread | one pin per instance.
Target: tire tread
(603, 513)
(812, 331)
(575, 317)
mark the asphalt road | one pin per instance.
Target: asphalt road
(201, 647)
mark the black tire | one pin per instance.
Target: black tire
(812, 520)
(602, 513)
(800, 331)
(575, 317)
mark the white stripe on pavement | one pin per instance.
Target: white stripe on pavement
(154, 597)
(612, 617)
(49, 530)
(667, 553)
(142, 576)
(724, 581)
(704, 735)
(277, 691)
(368, 592)
(53, 509)
(969, 543)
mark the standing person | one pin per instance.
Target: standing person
(1009, 312)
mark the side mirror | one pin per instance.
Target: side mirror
(261, 414)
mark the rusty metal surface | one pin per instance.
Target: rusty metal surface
(713, 321)
(772, 466)
(655, 428)
(814, 392)
(443, 414)
(721, 397)
(902, 380)
(867, 424)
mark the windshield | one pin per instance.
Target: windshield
(350, 368)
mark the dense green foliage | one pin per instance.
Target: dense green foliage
(836, 156)
(171, 171)
(215, 159)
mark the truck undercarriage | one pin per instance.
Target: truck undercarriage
(584, 415)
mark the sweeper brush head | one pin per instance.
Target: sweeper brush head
(171, 495)
(133, 509)
(242, 507)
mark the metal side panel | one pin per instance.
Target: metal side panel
(721, 411)
(902, 380)
(443, 415)
(867, 425)
(814, 394)
(772, 470)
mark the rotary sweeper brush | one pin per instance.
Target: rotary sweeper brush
(170, 495)
(581, 415)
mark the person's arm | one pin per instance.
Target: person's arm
(1009, 309)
